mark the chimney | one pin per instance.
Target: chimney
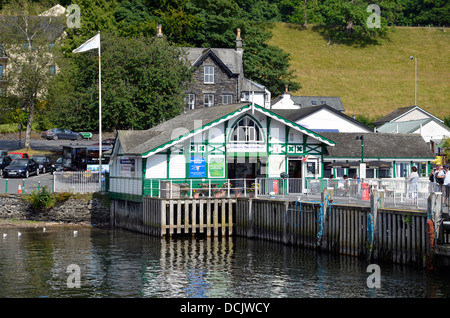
(238, 41)
(159, 31)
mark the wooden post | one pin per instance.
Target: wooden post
(326, 198)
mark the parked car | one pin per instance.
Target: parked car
(45, 163)
(58, 133)
(21, 168)
(19, 155)
(3, 152)
(57, 165)
(4, 162)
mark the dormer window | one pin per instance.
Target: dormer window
(209, 75)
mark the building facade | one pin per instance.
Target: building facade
(216, 144)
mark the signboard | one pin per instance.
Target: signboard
(197, 167)
(253, 147)
(362, 171)
(275, 186)
(216, 166)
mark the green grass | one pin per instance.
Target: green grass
(373, 80)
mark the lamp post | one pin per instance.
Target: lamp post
(362, 146)
(415, 79)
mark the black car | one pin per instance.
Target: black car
(58, 133)
(21, 168)
(4, 162)
(45, 163)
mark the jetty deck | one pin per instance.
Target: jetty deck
(370, 229)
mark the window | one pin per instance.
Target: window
(246, 130)
(209, 74)
(190, 101)
(209, 100)
(246, 96)
(1, 72)
(314, 102)
(402, 169)
(227, 99)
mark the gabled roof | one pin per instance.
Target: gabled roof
(378, 145)
(403, 127)
(229, 59)
(298, 114)
(168, 133)
(400, 112)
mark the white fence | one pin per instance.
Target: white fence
(78, 181)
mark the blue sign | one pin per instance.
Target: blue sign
(197, 167)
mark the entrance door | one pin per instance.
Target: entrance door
(295, 175)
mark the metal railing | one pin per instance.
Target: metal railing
(397, 191)
(78, 181)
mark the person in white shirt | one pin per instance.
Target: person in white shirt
(413, 181)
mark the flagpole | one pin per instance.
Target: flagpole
(100, 111)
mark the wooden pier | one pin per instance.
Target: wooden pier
(371, 232)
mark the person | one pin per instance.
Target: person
(330, 182)
(431, 177)
(439, 176)
(413, 181)
(446, 186)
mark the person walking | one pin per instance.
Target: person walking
(413, 181)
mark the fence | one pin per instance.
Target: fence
(78, 181)
(398, 192)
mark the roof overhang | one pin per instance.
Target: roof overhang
(238, 112)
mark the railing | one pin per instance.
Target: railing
(219, 188)
(397, 191)
(78, 181)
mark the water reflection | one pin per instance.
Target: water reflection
(119, 263)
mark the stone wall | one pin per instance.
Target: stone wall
(223, 84)
(74, 210)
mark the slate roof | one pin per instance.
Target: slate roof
(137, 142)
(230, 58)
(297, 114)
(307, 101)
(399, 112)
(377, 145)
(250, 86)
(140, 142)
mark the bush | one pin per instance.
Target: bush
(41, 200)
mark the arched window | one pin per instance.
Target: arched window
(246, 130)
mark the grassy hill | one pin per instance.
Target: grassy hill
(376, 79)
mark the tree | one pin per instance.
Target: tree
(346, 21)
(143, 83)
(28, 39)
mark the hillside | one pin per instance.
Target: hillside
(373, 80)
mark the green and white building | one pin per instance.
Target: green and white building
(214, 145)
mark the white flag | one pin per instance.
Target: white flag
(92, 43)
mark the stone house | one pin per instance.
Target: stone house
(218, 78)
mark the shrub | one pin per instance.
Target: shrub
(41, 200)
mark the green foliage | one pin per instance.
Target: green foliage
(143, 81)
(41, 200)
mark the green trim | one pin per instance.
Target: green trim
(233, 113)
(125, 197)
(233, 126)
(195, 131)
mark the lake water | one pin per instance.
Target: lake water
(120, 263)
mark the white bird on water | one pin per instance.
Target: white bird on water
(5, 235)
(75, 233)
(19, 234)
(43, 230)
